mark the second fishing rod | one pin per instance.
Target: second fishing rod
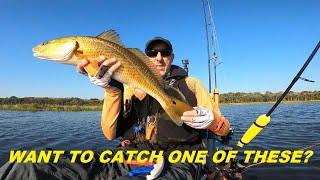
(263, 120)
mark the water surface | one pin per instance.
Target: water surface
(292, 126)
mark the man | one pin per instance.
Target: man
(139, 119)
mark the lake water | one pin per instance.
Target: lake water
(292, 127)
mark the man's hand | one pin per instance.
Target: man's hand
(103, 77)
(199, 118)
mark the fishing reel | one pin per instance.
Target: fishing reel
(231, 171)
(237, 166)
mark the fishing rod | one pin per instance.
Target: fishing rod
(211, 137)
(263, 162)
(211, 146)
(207, 40)
(237, 166)
(208, 13)
(263, 120)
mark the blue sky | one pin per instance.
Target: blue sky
(263, 44)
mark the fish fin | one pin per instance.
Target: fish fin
(137, 52)
(177, 105)
(111, 35)
(135, 91)
(175, 110)
(92, 68)
(139, 94)
(175, 92)
(147, 62)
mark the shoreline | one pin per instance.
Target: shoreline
(75, 108)
(56, 108)
(257, 103)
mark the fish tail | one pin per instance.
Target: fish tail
(175, 108)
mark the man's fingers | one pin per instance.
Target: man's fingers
(199, 122)
(186, 119)
(83, 63)
(114, 67)
(108, 66)
(200, 119)
(191, 113)
(194, 120)
(102, 71)
(109, 62)
(188, 116)
(100, 60)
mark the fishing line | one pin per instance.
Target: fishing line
(295, 79)
(305, 79)
(308, 147)
(263, 120)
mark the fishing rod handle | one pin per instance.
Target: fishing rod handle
(254, 130)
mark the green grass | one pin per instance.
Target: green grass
(47, 107)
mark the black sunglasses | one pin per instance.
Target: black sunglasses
(154, 52)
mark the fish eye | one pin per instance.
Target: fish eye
(44, 43)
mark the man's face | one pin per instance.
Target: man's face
(162, 61)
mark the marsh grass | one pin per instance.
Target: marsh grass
(48, 107)
(52, 107)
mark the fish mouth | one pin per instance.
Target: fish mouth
(62, 59)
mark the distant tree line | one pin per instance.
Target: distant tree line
(51, 101)
(239, 97)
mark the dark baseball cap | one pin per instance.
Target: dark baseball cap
(155, 40)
